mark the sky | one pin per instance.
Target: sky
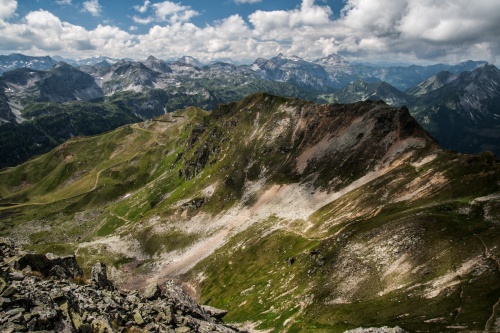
(397, 31)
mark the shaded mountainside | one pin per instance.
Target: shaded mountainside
(432, 83)
(465, 113)
(362, 91)
(293, 216)
(460, 111)
(51, 124)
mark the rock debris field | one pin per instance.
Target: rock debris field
(46, 293)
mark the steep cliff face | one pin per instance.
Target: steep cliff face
(292, 215)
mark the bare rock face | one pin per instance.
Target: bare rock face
(49, 264)
(99, 276)
(41, 298)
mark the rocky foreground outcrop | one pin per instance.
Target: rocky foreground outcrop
(46, 293)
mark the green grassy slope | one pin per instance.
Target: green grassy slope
(426, 265)
(294, 216)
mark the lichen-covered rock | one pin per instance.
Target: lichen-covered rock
(214, 312)
(152, 291)
(99, 276)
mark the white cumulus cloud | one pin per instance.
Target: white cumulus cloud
(144, 8)
(173, 12)
(7, 8)
(93, 7)
(365, 30)
(282, 24)
(420, 29)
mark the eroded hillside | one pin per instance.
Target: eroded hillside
(293, 216)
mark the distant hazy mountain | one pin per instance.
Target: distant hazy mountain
(96, 61)
(13, 61)
(363, 91)
(294, 70)
(464, 114)
(432, 83)
(190, 61)
(405, 77)
(61, 83)
(334, 72)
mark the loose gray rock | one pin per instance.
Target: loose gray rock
(99, 276)
(152, 292)
(214, 312)
(30, 303)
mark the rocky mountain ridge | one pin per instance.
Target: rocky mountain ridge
(331, 72)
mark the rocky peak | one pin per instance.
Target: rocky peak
(282, 59)
(190, 61)
(61, 65)
(332, 60)
(358, 137)
(157, 65)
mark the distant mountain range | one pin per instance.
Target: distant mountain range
(14, 61)
(331, 72)
(36, 88)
